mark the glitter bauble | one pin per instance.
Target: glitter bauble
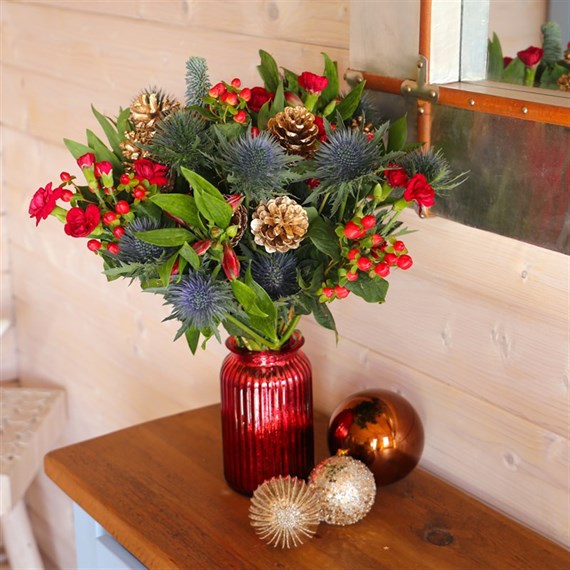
(382, 429)
(345, 488)
(283, 510)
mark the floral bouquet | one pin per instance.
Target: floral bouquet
(248, 207)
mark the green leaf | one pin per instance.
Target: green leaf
(268, 71)
(323, 315)
(324, 238)
(331, 73)
(77, 149)
(247, 298)
(123, 123)
(166, 269)
(209, 200)
(291, 81)
(397, 134)
(167, 237)
(103, 153)
(182, 206)
(268, 324)
(263, 115)
(188, 253)
(192, 338)
(109, 130)
(278, 101)
(514, 72)
(350, 103)
(371, 290)
(494, 59)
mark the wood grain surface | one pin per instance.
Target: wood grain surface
(158, 489)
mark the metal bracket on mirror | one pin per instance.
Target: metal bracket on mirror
(421, 89)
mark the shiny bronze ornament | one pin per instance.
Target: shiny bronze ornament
(382, 429)
(296, 130)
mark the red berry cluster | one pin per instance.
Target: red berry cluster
(228, 101)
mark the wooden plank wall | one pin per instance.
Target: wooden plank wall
(475, 334)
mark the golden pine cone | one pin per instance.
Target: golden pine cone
(357, 124)
(296, 130)
(279, 225)
(148, 108)
(239, 219)
(564, 82)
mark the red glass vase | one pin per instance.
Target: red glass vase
(267, 414)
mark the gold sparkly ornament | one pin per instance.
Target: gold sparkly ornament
(148, 108)
(345, 488)
(296, 130)
(283, 510)
(279, 224)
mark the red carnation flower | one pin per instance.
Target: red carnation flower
(507, 60)
(259, 96)
(313, 83)
(419, 190)
(81, 223)
(86, 160)
(398, 177)
(43, 202)
(531, 55)
(152, 171)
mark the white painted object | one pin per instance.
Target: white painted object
(31, 420)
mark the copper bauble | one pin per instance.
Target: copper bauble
(382, 429)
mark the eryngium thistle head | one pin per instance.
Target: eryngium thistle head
(135, 250)
(197, 80)
(198, 301)
(434, 166)
(346, 156)
(256, 166)
(177, 141)
(276, 273)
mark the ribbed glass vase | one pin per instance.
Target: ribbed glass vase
(267, 414)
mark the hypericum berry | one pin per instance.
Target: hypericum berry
(377, 239)
(391, 258)
(341, 292)
(399, 246)
(382, 269)
(245, 94)
(217, 90)
(66, 195)
(240, 117)
(94, 244)
(122, 207)
(368, 222)
(312, 183)
(364, 264)
(119, 231)
(109, 217)
(229, 99)
(113, 248)
(140, 193)
(405, 262)
(124, 179)
(65, 177)
(353, 231)
(353, 253)
(236, 82)
(352, 276)
(254, 132)
(328, 292)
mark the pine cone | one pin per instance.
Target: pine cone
(296, 130)
(357, 124)
(279, 225)
(147, 110)
(564, 82)
(239, 219)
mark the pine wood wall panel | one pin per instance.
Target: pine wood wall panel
(475, 334)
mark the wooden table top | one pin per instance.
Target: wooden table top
(159, 489)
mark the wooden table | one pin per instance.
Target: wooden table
(158, 489)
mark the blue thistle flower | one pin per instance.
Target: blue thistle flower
(434, 166)
(345, 157)
(276, 273)
(198, 301)
(135, 250)
(256, 167)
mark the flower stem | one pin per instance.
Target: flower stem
(388, 227)
(290, 330)
(261, 340)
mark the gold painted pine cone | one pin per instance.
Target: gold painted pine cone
(147, 110)
(296, 131)
(279, 225)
